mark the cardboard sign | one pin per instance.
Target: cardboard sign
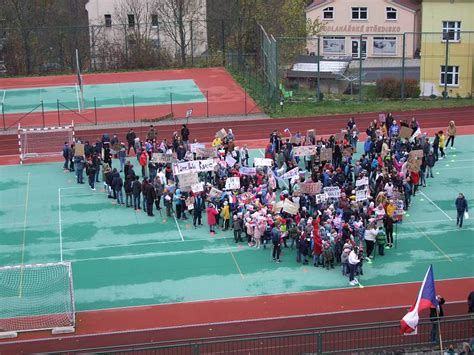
(189, 113)
(188, 179)
(405, 132)
(310, 188)
(332, 191)
(277, 207)
(382, 117)
(418, 153)
(197, 187)
(304, 151)
(230, 160)
(325, 154)
(290, 207)
(295, 140)
(247, 171)
(79, 149)
(221, 134)
(164, 158)
(206, 152)
(189, 201)
(262, 162)
(290, 174)
(361, 195)
(321, 198)
(194, 166)
(232, 183)
(194, 146)
(347, 152)
(362, 181)
(310, 133)
(215, 193)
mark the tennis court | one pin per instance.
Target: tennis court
(122, 258)
(147, 93)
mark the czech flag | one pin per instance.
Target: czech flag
(426, 299)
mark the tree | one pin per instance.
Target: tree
(176, 20)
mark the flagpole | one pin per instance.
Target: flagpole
(439, 332)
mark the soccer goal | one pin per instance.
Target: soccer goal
(43, 142)
(36, 297)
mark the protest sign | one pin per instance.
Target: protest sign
(332, 191)
(195, 146)
(295, 140)
(321, 198)
(277, 206)
(204, 152)
(232, 183)
(222, 133)
(325, 154)
(418, 153)
(197, 187)
(246, 197)
(290, 174)
(194, 166)
(290, 207)
(189, 113)
(405, 132)
(362, 181)
(304, 151)
(79, 149)
(262, 162)
(164, 158)
(347, 152)
(382, 117)
(339, 137)
(361, 195)
(247, 171)
(215, 192)
(189, 201)
(310, 133)
(310, 188)
(230, 160)
(188, 179)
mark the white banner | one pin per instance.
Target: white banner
(263, 162)
(247, 171)
(232, 183)
(188, 179)
(198, 187)
(290, 207)
(194, 166)
(304, 151)
(194, 146)
(362, 181)
(290, 174)
(361, 195)
(321, 198)
(164, 158)
(230, 161)
(332, 191)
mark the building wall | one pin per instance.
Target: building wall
(376, 25)
(433, 52)
(116, 34)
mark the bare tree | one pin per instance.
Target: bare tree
(176, 20)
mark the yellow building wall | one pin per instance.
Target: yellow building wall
(433, 48)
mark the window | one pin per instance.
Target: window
(328, 13)
(390, 13)
(131, 20)
(452, 30)
(385, 45)
(154, 20)
(452, 75)
(108, 20)
(334, 44)
(359, 13)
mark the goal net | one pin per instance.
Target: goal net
(43, 142)
(36, 297)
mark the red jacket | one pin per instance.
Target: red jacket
(143, 158)
(415, 178)
(211, 215)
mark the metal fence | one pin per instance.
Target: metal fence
(375, 66)
(338, 340)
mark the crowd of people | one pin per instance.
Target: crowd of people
(320, 203)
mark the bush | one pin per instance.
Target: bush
(390, 88)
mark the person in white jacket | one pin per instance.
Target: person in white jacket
(353, 260)
(370, 236)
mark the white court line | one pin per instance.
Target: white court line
(60, 226)
(177, 225)
(77, 97)
(147, 255)
(434, 204)
(143, 244)
(3, 99)
(436, 245)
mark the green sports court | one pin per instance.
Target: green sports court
(122, 258)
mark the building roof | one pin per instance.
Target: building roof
(411, 4)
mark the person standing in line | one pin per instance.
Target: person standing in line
(435, 314)
(66, 153)
(451, 134)
(131, 140)
(136, 191)
(185, 136)
(90, 171)
(150, 198)
(276, 240)
(461, 207)
(353, 262)
(197, 210)
(211, 218)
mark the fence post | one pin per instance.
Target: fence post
(133, 104)
(95, 110)
(59, 118)
(207, 103)
(445, 94)
(361, 38)
(223, 41)
(318, 80)
(42, 113)
(245, 99)
(402, 83)
(192, 42)
(319, 343)
(171, 102)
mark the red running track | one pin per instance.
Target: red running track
(225, 97)
(248, 315)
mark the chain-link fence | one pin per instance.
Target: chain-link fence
(375, 66)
